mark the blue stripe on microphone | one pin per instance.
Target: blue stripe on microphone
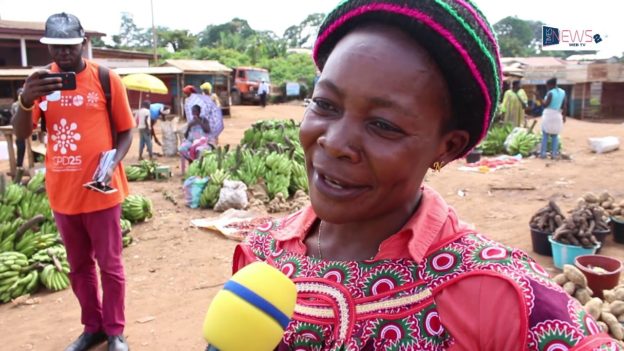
(257, 301)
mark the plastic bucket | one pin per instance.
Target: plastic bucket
(566, 254)
(601, 236)
(617, 225)
(539, 240)
(599, 281)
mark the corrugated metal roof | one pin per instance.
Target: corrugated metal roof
(199, 66)
(535, 61)
(7, 26)
(148, 70)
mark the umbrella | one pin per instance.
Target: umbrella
(144, 83)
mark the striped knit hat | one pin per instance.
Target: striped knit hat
(455, 33)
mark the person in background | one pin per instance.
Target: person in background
(513, 105)
(79, 132)
(380, 260)
(207, 90)
(553, 118)
(263, 92)
(19, 143)
(157, 111)
(144, 123)
(197, 137)
(209, 111)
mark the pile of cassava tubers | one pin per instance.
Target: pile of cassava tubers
(548, 218)
(579, 228)
(605, 200)
(609, 313)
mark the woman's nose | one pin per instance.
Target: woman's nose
(341, 140)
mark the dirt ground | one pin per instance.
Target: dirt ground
(173, 270)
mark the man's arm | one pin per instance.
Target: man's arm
(124, 141)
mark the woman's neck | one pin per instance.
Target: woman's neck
(356, 241)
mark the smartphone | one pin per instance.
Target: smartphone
(68, 79)
(97, 186)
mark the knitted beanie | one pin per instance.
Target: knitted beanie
(456, 35)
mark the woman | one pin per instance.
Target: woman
(197, 136)
(380, 261)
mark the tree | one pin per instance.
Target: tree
(130, 35)
(177, 39)
(97, 42)
(515, 37)
(302, 35)
(214, 34)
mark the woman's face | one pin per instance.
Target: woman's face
(375, 126)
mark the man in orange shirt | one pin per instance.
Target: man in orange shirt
(80, 130)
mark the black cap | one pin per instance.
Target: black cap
(63, 29)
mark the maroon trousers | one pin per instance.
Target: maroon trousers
(91, 237)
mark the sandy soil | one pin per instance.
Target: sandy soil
(173, 270)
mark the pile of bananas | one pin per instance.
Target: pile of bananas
(16, 277)
(144, 170)
(281, 135)
(136, 208)
(277, 178)
(210, 194)
(126, 227)
(494, 142)
(55, 277)
(523, 143)
(37, 183)
(13, 194)
(33, 204)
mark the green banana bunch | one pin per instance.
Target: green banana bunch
(8, 231)
(46, 256)
(7, 213)
(277, 183)
(136, 208)
(149, 168)
(523, 143)
(134, 173)
(36, 183)
(210, 194)
(12, 279)
(48, 227)
(298, 177)
(126, 240)
(494, 142)
(13, 194)
(23, 284)
(279, 163)
(55, 277)
(209, 164)
(26, 244)
(126, 225)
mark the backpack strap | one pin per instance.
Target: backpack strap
(104, 76)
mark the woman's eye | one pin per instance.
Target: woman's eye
(386, 127)
(324, 106)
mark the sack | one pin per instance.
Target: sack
(169, 139)
(233, 195)
(605, 144)
(193, 188)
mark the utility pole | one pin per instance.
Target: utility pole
(154, 38)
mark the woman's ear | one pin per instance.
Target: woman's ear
(452, 145)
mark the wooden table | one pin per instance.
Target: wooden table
(7, 131)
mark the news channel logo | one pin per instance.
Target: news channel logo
(581, 39)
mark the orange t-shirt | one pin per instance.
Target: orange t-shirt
(78, 132)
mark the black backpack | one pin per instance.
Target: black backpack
(104, 77)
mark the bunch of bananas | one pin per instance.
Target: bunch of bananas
(523, 143)
(136, 208)
(298, 177)
(210, 194)
(494, 142)
(7, 213)
(277, 177)
(135, 173)
(251, 167)
(55, 276)
(46, 256)
(33, 204)
(126, 225)
(37, 183)
(126, 240)
(7, 234)
(13, 194)
(32, 242)
(16, 278)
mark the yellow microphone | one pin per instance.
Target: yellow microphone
(252, 310)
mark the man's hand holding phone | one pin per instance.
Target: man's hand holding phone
(44, 82)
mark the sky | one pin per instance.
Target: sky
(602, 16)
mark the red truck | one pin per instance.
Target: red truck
(245, 82)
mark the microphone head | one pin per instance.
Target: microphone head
(252, 310)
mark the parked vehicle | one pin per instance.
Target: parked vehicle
(245, 82)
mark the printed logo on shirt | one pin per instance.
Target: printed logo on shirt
(92, 98)
(65, 136)
(78, 100)
(66, 100)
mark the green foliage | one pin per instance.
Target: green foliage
(291, 68)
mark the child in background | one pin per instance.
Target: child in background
(380, 261)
